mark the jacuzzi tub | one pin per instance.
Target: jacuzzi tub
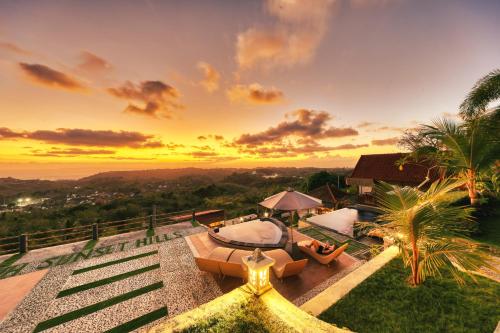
(262, 233)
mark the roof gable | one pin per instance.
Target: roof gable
(382, 167)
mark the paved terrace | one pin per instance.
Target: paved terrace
(129, 282)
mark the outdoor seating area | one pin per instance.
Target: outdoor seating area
(325, 259)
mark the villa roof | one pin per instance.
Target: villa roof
(328, 193)
(382, 167)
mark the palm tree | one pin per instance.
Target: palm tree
(429, 229)
(485, 91)
(468, 149)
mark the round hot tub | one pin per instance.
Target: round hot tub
(263, 233)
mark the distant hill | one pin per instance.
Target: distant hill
(11, 187)
(215, 174)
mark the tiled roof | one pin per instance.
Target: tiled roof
(327, 193)
(383, 167)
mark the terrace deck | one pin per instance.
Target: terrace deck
(294, 288)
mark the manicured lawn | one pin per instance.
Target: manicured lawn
(385, 303)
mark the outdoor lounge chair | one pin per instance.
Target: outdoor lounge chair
(321, 258)
(233, 269)
(208, 265)
(285, 266)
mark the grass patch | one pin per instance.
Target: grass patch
(195, 223)
(89, 245)
(12, 259)
(114, 262)
(324, 236)
(150, 232)
(95, 307)
(139, 321)
(109, 280)
(386, 303)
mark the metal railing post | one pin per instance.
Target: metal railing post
(153, 218)
(95, 231)
(23, 243)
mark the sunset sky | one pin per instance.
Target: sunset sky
(90, 86)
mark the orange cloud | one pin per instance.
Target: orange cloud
(160, 99)
(86, 137)
(92, 63)
(385, 142)
(309, 126)
(255, 94)
(49, 77)
(211, 76)
(71, 152)
(294, 39)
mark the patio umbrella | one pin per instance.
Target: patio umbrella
(290, 201)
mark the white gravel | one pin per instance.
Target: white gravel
(109, 271)
(33, 307)
(115, 315)
(186, 286)
(91, 296)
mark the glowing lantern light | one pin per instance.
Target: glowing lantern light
(258, 266)
(266, 214)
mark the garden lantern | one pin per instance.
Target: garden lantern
(258, 266)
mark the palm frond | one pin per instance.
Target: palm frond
(486, 90)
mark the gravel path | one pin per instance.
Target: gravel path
(186, 286)
(109, 271)
(115, 315)
(32, 309)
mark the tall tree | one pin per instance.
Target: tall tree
(485, 91)
(469, 148)
(429, 229)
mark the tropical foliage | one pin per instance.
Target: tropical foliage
(485, 91)
(429, 229)
(467, 149)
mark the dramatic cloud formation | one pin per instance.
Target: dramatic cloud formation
(289, 150)
(211, 76)
(49, 77)
(309, 126)
(254, 94)
(86, 137)
(294, 137)
(294, 39)
(92, 63)
(159, 98)
(71, 152)
(7, 133)
(385, 142)
(11, 47)
(202, 138)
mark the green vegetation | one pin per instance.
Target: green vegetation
(114, 262)
(429, 229)
(323, 235)
(89, 245)
(102, 282)
(100, 199)
(385, 303)
(150, 232)
(12, 259)
(242, 319)
(489, 227)
(139, 321)
(95, 307)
